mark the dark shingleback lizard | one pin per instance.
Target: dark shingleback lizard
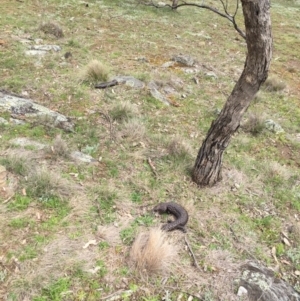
(178, 211)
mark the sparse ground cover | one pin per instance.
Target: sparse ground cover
(67, 231)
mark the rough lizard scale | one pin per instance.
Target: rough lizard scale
(178, 211)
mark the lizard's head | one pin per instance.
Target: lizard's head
(160, 208)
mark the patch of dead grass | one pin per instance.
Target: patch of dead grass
(124, 111)
(95, 71)
(59, 148)
(110, 234)
(254, 124)
(133, 130)
(43, 183)
(225, 269)
(179, 148)
(52, 29)
(18, 162)
(153, 253)
(275, 169)
(59, 258)
(274, 84)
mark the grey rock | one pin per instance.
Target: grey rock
(190, 70)
(159, 96)
(41, 50)
(211, 74)
(242, 291)
(168, 64)
(142, 60)
(30, 111)
(35, 53)
(129, 81)
(25, 142)
(185, 60)
(38, 41)
(55, 48)
(25, 41)
(3, 121)
(17, 121)
(169, 90)
(79, 156)
(274, 127)
(261, 284)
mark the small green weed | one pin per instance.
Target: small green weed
(280, 249)
(55, 291)
(20, 202)
(103, 245)
(29, 252)
(269, 227)
(19, 223)
(73, 43)
(294, 255)
(128, 234)
(102, 270)
(136, 197)
(106, 204)
(146, 220)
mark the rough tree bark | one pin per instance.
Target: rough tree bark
(207, 168)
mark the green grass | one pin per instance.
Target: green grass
(106, 204)
(55, 196)
(20, 202)
(55, 291)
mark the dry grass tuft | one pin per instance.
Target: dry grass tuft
(124, 111)
(59, 148)
(42, 183)
(274, 84)
(152, 252)
(295, 232)
(110, 234)
(179, 148)
(276, 170)
(52, 28)
(254, 124)
(18, 163)
(94, 72)
(133, 130)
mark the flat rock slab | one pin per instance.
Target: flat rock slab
(185, 60)
(26, 109)
(129, 81)
(79, 156)
(153, 88)
(41, 50)
(25, 142)
(260, 283)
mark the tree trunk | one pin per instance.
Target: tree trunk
(207, 168)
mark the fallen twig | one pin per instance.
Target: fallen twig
(152, 166)
(8, 199)
(110, 121)
(192, 253)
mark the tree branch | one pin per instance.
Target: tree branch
(224, 14)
